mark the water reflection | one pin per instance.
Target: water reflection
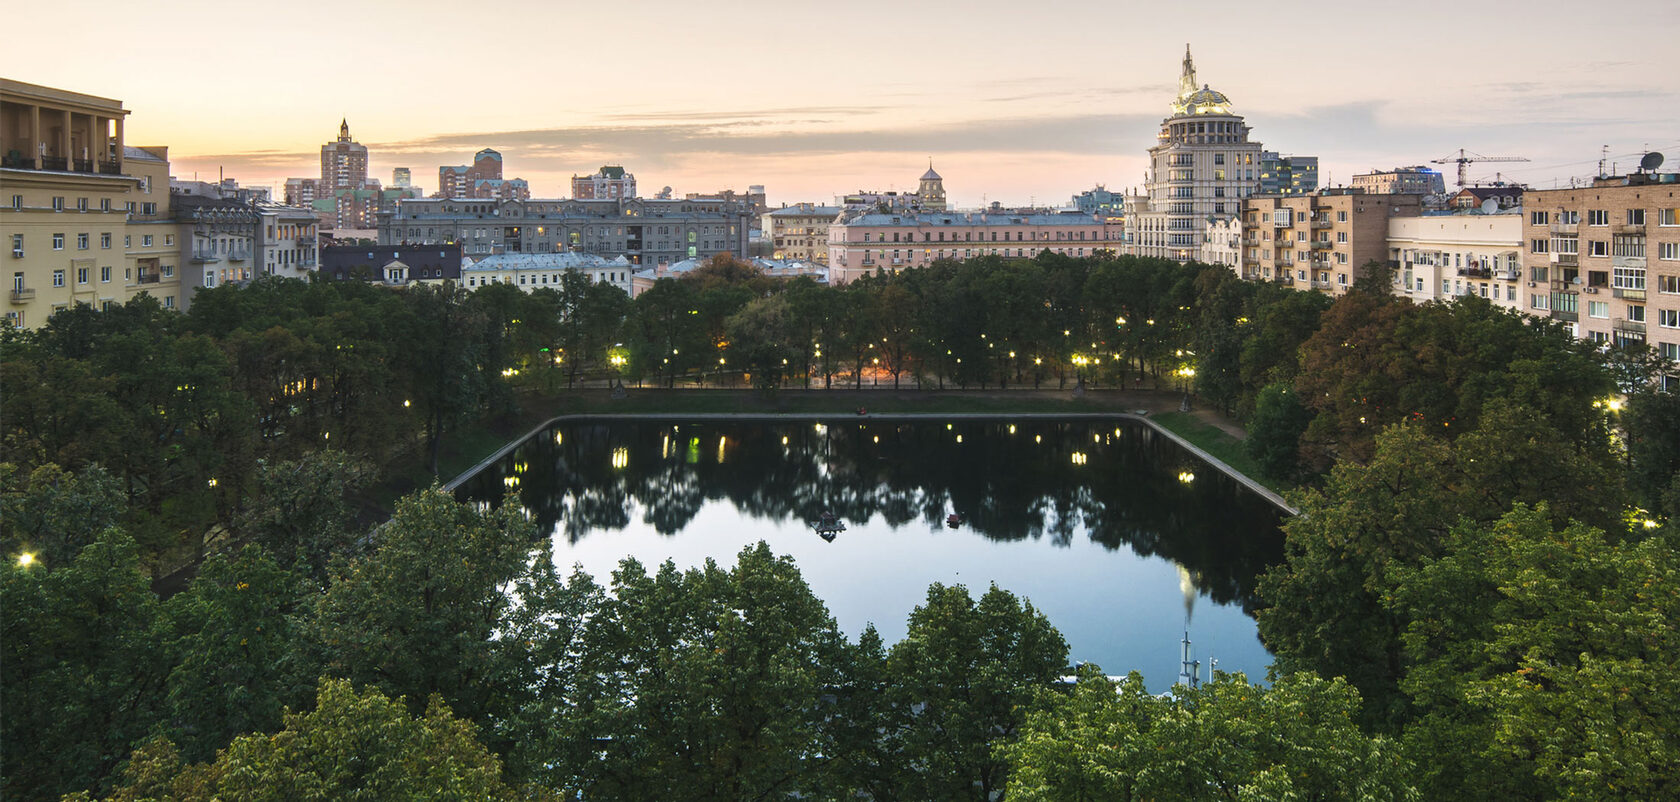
(1120, 484)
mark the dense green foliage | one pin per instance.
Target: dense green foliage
(1483, 573)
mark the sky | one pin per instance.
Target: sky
(1016, 102)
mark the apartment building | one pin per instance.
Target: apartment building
(1605, 259)
(80, 211)
(611, 182)
(286, 240)
(643, 230)
(862, 241)
(1321, 241)
(1443, 255)
(800, 232)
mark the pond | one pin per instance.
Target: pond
(1120, 536)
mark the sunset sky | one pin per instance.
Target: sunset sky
(1013, 101)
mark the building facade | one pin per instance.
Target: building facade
(532, 271)
(218, 239)
(286, 240)
(863, 241)
(611, 182)
(1321, 241)
(800, 232)
(481, 179)
(402, 177)
(1202, 166)
(1222, 242)
(85, 216)
(300, 192)
(644, 231)
(1443, 255)
(1605, 259)
(1416, 180)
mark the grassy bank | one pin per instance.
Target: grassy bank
(1219, 443)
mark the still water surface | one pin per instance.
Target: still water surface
(1112, 530)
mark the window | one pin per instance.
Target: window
(169, 239)
(1669, 251)
(17, 201)
(1668, 285)
(1636, 313)
(81, 204)
(1636, 217)
(58, 203)
(1629, 278)
(105, 240)
(1540, 245)
(81, 275)
(1598, 217)
(128, 240)
(58, 242)
(1665, 217)
(1668, 318)
(145, 240)
(168, 271)
(168, 302)
(104, 204)
(58, 278)
(1341, 216)
(1670, 351)
(104, 274)
(1599, 309)
(1598, 247)
(17, 242)
(82, 241)
(1538, 218)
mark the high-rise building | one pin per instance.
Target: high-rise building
(1287, 175)
(1202, 166)
(86, 216)
(401, 178)
(1417, 180)
(481, 179)
(343, 162)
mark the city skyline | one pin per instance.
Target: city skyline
(813, 102)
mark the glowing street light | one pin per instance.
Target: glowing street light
(25, 560)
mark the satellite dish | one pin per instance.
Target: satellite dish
(1490, 206)
(1651, 162)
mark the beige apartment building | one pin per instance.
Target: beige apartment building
(799, 232)
(85, 218)
(1605, 259)
(1321, 241)
(1439, 256)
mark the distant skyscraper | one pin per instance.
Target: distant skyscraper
(401, 178)
(1202, 166)
(343, 162)
(1416, 180)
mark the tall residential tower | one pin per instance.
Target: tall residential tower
(1201, 168)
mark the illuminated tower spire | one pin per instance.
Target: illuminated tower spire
(1187, 78)
(344, 129)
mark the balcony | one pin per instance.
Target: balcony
(22, 295)
(1627, 262)
(201, 257)
(1321, 245)
(238, 255)
(1511, 274)
(110, 168)
(58, 163)
(1629, 294)
(1567, 258)
(1281, 223)
(147, 278)
(1632, 326)
(1629, 229)
(17, 161)
(306, 240)
(1475, 272)
(81, 165)
(1565, 228)
(1323, 285)
(1283, 278)
(1320, 223)
(1567, 317)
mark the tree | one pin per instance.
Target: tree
(444, 360)
(1275, 429)
(301, 515)
(1651, 429)
(232, 643)
(53, 514)
(705, 684)
(83, 675)
(353, 745)
(963, 678)
(418, 615)
(1227, 739)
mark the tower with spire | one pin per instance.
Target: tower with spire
(930, 191)
(1201, 167)
(343, 163)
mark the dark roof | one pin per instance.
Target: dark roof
(423, 261)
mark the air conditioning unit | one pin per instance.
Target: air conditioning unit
(1590, 290)
(1530, 283)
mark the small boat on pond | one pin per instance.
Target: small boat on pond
(954, 520)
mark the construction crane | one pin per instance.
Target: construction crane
(1465, 157)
